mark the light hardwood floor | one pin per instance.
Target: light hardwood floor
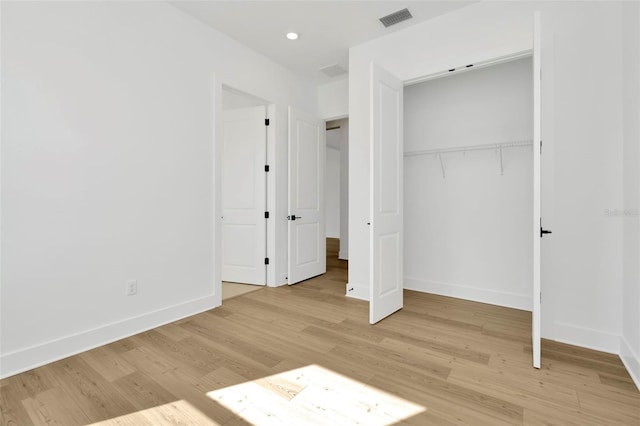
(231, 290)
(462, 362)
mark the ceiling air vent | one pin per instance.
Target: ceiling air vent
(396, 17)
(333, 70)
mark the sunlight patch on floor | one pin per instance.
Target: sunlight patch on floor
(313, 395)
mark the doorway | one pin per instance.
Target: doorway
(244, 192)
(337, 198)
(318, 182)
(386, 176)
(468, 186)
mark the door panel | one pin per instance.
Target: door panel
(306, 197)
(386, 275)
(243, 196)
(537, 220)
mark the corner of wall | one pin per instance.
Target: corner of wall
(631, 360)
(357, 291)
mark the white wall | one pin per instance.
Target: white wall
(332, 184)
(630, 213)
(468, 234)
(333, 99)
(581, 98)
(108, 169)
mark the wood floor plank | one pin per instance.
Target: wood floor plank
(143, 391)
(54, 407)
(107, 362)
(228, 338)
(452, 410)
(462, 362)
(525, 391)
(560, 418)
(399, 332)
(607, 410)
(12, 412)
(96, 396)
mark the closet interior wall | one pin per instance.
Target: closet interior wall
(468, 230)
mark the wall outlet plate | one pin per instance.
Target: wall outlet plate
(131, 288)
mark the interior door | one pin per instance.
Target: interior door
(537, 219)
(386, 200)
(243, 196)
(307, 244)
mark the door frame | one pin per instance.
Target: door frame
(217, 145)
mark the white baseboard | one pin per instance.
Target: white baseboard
(587, 337)
(358, 291)
(38, 355)
(343, 255)
(510, 300)
(631, 360)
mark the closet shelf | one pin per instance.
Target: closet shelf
(498, 147)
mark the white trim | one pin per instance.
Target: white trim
(462, 291)
(587, 337)
(460, 68)
(536, 217)
(54, 350)
(631, 360)
(343, 255)
(357, 291)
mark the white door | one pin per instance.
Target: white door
(537, 219)
(307, 257)
(386, 183)
(243, 196)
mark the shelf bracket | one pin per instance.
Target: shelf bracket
(441, 164)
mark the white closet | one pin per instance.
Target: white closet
(468, 185)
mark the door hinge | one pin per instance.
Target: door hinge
(543, 231)
(266, 121)
(540, 146)
(266, 215)
(540, 297)
(266, 168)
(266, 260)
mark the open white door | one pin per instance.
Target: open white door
(307, 244)
(386, 183)
(243, 196)
(537, 217)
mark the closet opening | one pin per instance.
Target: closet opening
(468, 185)
(245, 194)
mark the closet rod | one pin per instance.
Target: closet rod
(501, 145)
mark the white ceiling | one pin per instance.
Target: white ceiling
(327, 28)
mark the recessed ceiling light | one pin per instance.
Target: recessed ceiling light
(292, 36)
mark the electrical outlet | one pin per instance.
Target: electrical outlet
(131, 288)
